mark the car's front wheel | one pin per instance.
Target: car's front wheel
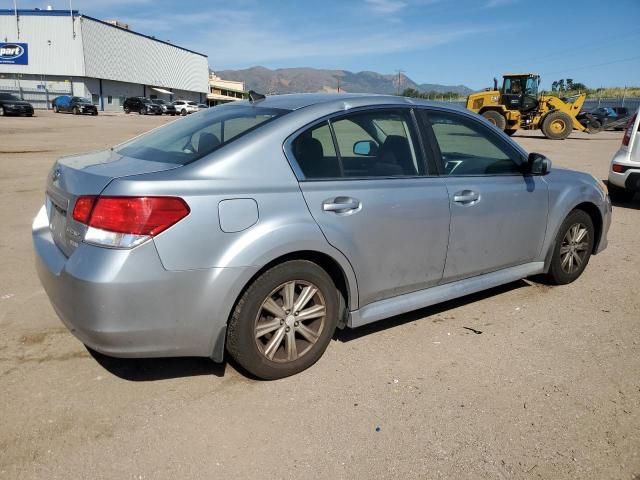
(284, 321)
(572, 249)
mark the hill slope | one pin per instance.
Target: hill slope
(301, 80)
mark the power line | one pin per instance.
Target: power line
(621, 60)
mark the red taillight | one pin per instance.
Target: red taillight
(82, 209)
(618, 168)
(135, 215)
(629, 130)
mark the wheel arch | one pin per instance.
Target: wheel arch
(596, 218)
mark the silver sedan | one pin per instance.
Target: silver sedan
(259, 227)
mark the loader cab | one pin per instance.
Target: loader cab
(520, 92)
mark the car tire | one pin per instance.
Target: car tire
(557, 125)
(127, 110)
(287, 346)
(572, 249)
(496, 118)
(183, 112)
(94, 113)
(620, 194)
(3, 112)
(510, 131)
(56, 109)
(76, 111)
(142, 111)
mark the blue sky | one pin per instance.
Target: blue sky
(432, 41)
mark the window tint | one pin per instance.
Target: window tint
(315, 153)
(377, 144)
(469, 148)
(198, 135)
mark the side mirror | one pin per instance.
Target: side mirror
(365, 147)
(538, 164)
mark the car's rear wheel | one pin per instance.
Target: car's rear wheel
(620, 194)
(56, 109)
(183, 112)
(573, 248)
(127, 110)
(3, 112)
(284, 321)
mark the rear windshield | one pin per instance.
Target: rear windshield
(193, 137)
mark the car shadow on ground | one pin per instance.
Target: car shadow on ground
(349, 334)
(151, 369)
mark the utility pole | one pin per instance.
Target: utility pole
(400, 72)
(338, 84)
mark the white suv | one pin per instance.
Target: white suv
(184, 107)
(624, 173)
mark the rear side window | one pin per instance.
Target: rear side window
(369, 144)
(194, 137)
(469, 148)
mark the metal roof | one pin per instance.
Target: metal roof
(76, 13)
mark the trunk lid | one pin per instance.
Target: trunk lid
(86, 174)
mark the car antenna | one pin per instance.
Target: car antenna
(255, 96)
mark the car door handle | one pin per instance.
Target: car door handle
(341, 205)
(466, 197)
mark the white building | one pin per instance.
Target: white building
(224, 91)
(46, 53)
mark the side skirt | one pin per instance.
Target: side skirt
(423, 298)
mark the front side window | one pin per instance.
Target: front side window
(469, 148)
(198, 135)
(8, 96)
(369, 144)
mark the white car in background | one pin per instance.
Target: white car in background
(184, 107)
(624, 173)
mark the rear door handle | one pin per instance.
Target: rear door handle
(466, 197)
(341, 205)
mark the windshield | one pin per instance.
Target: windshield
(192, 103)
(81, 100)
(158, 102)
(194, 137)
(8, 96)
(145, 100)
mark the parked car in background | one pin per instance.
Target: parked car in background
(142, 105)
(624, 173)
(184, 107)
(167, 107)
(202, 106)
(75, 105)
(265, 225)
(12, 105)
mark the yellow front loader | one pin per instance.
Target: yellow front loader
(518, 106)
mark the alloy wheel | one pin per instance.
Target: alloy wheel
(574, 247)
(290, 321)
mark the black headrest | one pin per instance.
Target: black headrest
(207, 142)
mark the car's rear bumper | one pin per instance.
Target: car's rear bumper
(630, 178)
(124, 303)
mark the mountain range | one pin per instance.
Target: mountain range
(303, 80)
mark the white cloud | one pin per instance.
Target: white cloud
(385, 7)
(499, 3)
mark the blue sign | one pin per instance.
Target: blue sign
(14, 53)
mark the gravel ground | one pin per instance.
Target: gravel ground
(550, 389)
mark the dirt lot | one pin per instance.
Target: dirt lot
(550, 388)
